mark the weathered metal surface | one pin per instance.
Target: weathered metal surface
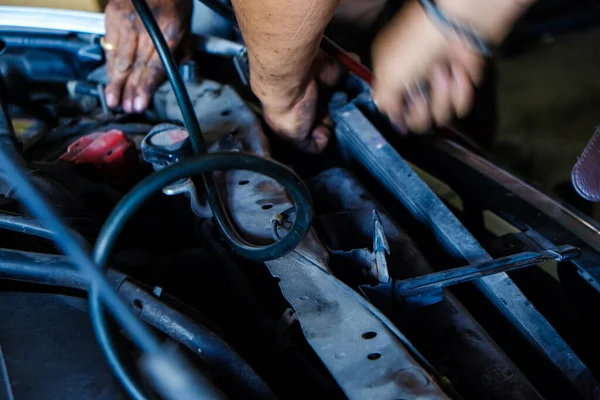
(229, 125)
(362, 142)
(445, 332)
(361, 352)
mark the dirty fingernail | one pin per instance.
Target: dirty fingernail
(111, 100)
(127, 106)
(138, 104)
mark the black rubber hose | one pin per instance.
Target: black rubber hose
(107, 345)
(70, 244)
(55, 270)
(237, 243)
(154, 184)
(43, 269)
(244, 382)
(136, 198)
(28, 226)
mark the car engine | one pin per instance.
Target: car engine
(388, 267)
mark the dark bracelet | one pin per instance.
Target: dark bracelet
(465, 34)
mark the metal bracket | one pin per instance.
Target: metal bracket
(427, 289)
(358, 345)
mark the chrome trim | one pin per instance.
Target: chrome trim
(52, 19)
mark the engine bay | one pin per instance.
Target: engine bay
(387, 267)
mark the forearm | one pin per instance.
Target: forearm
(283, 38)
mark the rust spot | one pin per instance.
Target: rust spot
(411, 378)
(268, 187)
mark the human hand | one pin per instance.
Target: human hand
(296, 118)
(412, 53)
(133, 65)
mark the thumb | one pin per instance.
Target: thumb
(328, 71)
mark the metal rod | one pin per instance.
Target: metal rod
(442, 279)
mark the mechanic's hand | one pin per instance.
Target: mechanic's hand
(296, 120)
(411, 55)
(134, 68)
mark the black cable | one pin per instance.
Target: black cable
(106, 344)
(154, 184)
(292, 183)
(220, 213)
(183, 98)
(39, 268)
(27, 226)
(237, 243)
(244, 382)
(71, 245)
(55, 270)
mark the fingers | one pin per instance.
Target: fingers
(441, 95)
(148, 71)
(119, 65)
(144, 52)
(452, 96)
(449, 95)
(142, 84)
(391, 105)
(300, 125)
(318, 139)
(418, 117)
(134, 68)
(472, 63)
(122, 36)
(462, 91)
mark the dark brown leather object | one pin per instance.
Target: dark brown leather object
(586, 173)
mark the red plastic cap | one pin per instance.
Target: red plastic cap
(112, 153)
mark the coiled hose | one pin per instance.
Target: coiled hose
(128, 206)
(206, 164)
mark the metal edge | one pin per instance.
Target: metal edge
(363, 142)
(52, 19)
(575, 223)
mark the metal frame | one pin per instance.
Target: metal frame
(514, 200)
(473, 362)
(362, 143)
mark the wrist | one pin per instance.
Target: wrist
(409, 25)
(278, 95)
(492, 19)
